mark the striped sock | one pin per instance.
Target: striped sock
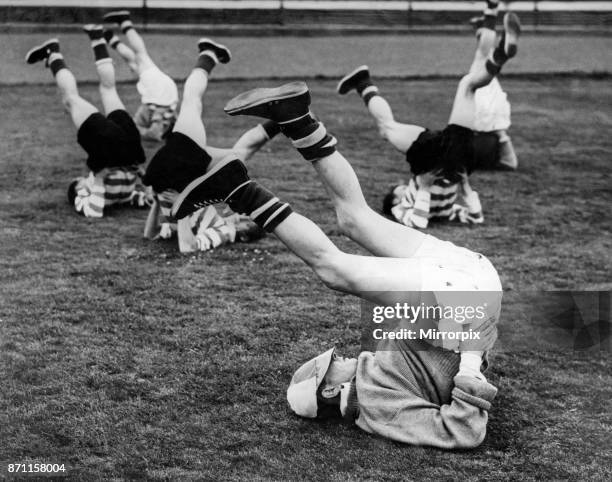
(271, 128)
(111, 38)
(206, 61)
(56, 63)
(262, 206)
(309, 137)
(126, 25)
(368, 92)
(100, 50)
(497, 58)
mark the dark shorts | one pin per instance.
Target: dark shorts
(450, 149)
(486, 150)
(112, 141)
(178, 162)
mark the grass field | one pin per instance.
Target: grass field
(123, 359)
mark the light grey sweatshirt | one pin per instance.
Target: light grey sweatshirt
(415, 396)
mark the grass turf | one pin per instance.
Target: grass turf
(123, 359)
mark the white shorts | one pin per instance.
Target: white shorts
(155, 87)
(460, 278)
(492, 108)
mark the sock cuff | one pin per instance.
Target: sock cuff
(492, 67)
(126, 25)
(106, 60)
(367, 97)
(325, 147)
(277, 217)
(271, 128)
(311, 139)
(57, 64)
(368, 90)
(114, 41)
(206, 62)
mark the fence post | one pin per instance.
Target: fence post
(281, 12)
(409, 13)
(145, 14)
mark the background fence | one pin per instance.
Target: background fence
(311, 12)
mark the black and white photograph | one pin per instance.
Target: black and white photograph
(305, 240)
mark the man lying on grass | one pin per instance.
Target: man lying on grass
(158, 92)
(115, 154)
(425, 395)
(441, 161)
(186, 150)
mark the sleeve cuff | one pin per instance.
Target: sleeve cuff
(474, 391)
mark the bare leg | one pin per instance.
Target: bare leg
(464, 107)
(381, 280)
(128, 55)
(78, 108)
(486, 42)
(244, 148)
(189, 121)
(142, 58)
(356, 219)
(108, 88)
(400, 136)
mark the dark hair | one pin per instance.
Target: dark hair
(388, 201)
(72, 192)
(328, 407)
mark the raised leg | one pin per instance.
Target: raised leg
(189, 121)
(105, 69)
(126, 53)
(142, 59)
(108, 89)
(378, 279)
(78, 108)
(401, 136)
(356, 219)
(463, 112)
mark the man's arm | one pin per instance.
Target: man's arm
(461, 424)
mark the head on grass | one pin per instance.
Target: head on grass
(316, 387)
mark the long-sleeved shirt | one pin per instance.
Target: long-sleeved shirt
(203, 230)
(413, 395)
(442, 200)
(108, 187)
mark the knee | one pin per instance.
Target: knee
(327, 268)
(351, 217)
(466, 84)
(385, 128)
(69, 99)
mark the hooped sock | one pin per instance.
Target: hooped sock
(56, 63)
(126, 25)
(100, 49)
(368, 92)
(206, 61)
(261, 205)
(271, 128)
(309, 137)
